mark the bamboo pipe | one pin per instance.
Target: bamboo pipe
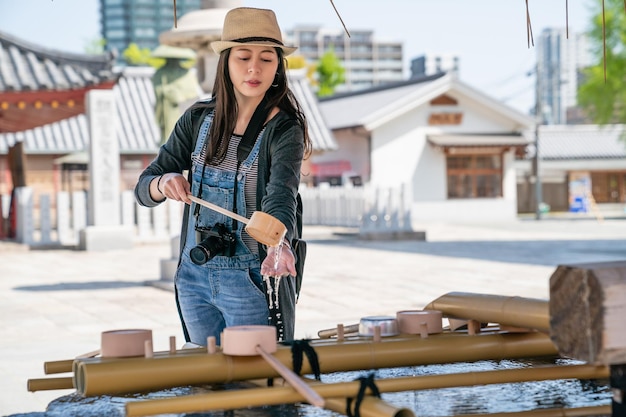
(131, 375)
(599, 410)
(256, 397)
(230, 400)
(58, 367)
(45, 384)
(260, 226)
(73, 363)
(69, 365)
(66, 365)
(513, 311)
(370, 407)
(294, 380)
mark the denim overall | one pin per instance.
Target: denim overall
(226, 290)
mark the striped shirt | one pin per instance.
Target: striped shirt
(230, 164)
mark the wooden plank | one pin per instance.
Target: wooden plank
(588, 310)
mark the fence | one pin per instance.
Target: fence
(42, 223)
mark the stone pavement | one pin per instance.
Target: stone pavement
(54, 304)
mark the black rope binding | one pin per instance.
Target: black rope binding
(300, 347)
(366, 382)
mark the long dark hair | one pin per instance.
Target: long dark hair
(225, 118)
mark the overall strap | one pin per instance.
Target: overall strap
(248, 140)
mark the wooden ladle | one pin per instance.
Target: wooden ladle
(261, 340)
(261, 226)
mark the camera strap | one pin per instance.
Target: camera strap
(255, 125)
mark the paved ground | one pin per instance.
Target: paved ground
(54, 304)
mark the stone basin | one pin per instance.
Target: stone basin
(483, 399)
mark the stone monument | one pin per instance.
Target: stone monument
(104, 229)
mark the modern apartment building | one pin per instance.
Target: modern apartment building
(368, 62)
(432, 64)
(560, 60)
(139, 21)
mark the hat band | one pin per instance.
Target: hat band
(257, 39)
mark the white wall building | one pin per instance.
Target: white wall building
(453, 146)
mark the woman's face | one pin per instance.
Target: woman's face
(252, 70)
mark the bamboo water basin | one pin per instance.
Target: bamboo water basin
(454, 401)
(483, 370)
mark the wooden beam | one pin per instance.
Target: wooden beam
(587, 311)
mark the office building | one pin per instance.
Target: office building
(368, 62)
(139, 21)
(559, 63)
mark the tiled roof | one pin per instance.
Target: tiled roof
(559, 142)
(28, 67)
(321, 136)
(352, 109)
(137, 127)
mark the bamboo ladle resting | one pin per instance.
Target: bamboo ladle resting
(261, 340)
(261, 226)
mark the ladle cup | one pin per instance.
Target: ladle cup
(261, 340)
(261, 226)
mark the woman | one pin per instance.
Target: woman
(220, 277)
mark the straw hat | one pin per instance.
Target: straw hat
(250, 26)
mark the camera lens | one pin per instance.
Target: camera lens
(199, 255)
(206, 250)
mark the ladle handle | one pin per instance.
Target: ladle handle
(218, 209)
(328, 333)
(294, 380)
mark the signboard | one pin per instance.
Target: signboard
(579, 191)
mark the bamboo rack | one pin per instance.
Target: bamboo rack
(107, 377)
(229, 400)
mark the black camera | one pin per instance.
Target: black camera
(217, 240)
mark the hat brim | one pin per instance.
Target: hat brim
(219, 46)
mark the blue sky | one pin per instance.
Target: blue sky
(488, 35)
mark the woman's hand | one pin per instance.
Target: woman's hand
(286, 262)
(174, 186)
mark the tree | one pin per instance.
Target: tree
(136, 56)
(330, 73)
(604, 99)
(296, 62)
(95, 47)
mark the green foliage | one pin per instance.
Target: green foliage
(95, 47)
(330, 73)
(296, 62)
(136, 56)
(605, 101)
